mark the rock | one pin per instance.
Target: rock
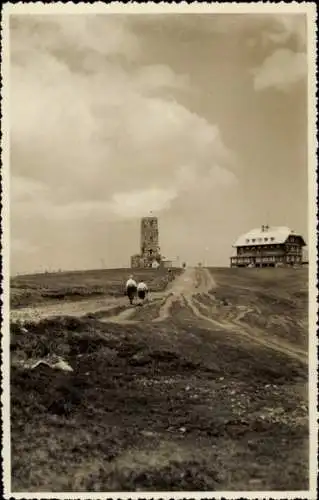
(37, 364)
(148, 433)
(140, 359)
(58, 365)
(182, 429)
(255, 482)
(62, 365)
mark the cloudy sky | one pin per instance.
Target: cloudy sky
(200, 118)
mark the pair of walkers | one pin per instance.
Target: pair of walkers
(132, 289)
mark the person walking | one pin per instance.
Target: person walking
(130, 289)
(142, 291)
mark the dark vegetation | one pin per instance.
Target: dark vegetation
(162, 406)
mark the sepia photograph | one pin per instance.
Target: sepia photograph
(159, 222)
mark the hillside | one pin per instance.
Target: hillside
(202, 388)
(35, 289)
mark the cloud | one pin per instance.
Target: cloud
(139, 203)
(186, 179)
(287, 65)
(73, 35)
(19, 245)
(219, 176)
(24, 189)
(275, 28)
(291, 26)
(261, 34)
(87, 135)
(158, 77)
(98, 135)
(281, 70)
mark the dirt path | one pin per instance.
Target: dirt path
(192, 282)
(186, 290)
(200, 282)
(77, 309)
(182, 284)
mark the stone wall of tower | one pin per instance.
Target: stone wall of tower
(149, 236)
(150, 250)
(149, 240)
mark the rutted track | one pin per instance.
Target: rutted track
(192, 288)
(195, 283)
(202, 365)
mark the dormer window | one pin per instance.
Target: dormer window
(247, 240)
(272, 239)
(253, 240)
(266, 239)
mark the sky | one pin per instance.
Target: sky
(201, 119)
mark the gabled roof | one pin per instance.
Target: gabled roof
(272, 235)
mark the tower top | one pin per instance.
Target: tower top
(149, 217)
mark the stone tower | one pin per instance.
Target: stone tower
(149, 255)
(150, 250)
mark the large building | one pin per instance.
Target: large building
(268, 247)
(149, 255)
